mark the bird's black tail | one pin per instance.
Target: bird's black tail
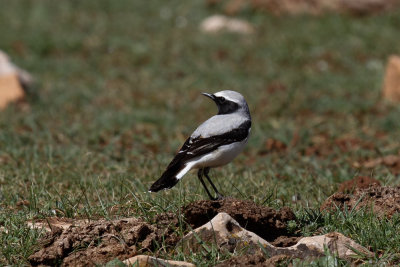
(168, 178)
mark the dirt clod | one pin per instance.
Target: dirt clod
(263, 221)
(385, 201)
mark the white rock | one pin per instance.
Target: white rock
(227, 233)
(13, 81)
(219, 23)
(391, 85)
(335, 242)
(10, 90)
(8, 68)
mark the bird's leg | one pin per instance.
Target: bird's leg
(200, 176)
(219, 195)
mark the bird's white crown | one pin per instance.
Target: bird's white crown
(231, 96)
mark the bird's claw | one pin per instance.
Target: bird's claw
(219, 197)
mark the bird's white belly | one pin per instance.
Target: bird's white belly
(223, 155)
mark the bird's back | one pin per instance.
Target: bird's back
(219, 124)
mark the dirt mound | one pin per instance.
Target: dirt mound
(263, 221)
(357, 182)
(98, 242)
(101, 241)
(383, 200)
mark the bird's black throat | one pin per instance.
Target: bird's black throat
(226, 107)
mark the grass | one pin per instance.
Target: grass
(118, 91)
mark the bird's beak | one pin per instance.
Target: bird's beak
(209, 95)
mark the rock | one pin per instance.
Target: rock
(219, 23)
(228, 235)
(8, 68)
(13, 81)
(149, 261)
(391, 84)
(335, 242)
(223, 230)
(10, 90)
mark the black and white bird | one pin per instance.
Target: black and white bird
(214, 143)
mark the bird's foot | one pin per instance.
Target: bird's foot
(219, 197)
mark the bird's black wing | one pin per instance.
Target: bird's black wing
(195, 147)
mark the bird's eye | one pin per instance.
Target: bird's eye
(221, 99)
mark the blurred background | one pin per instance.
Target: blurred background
(112, 89)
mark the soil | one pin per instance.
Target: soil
(99, 242)
(263, 221)
(273, 145)
(357, 182)
(384, 201)
(323, 145)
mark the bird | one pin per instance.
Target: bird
(215, 143)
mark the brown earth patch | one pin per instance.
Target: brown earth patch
(357, 182)
(101, 241)
(273, 145)
(263, 221)
(323, 145)
(384, 201)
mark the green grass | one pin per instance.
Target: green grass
(118, 91)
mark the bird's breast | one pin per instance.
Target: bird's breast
(221, 156)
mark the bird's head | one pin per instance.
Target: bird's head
(228, 102)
